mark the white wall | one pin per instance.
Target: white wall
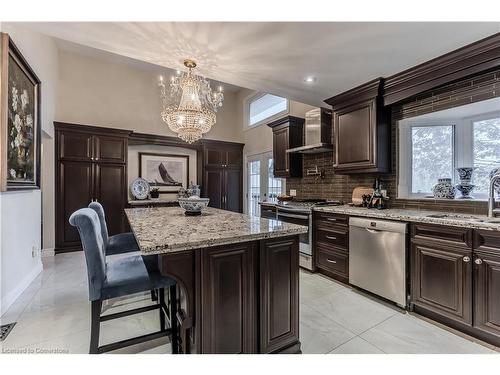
(20, 227)
(133, 162)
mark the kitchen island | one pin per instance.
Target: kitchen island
(237, 276)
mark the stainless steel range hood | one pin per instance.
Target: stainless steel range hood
(317, 132)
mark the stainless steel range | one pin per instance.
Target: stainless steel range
(299, 211)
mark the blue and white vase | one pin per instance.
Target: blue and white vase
(497, 184)
(465, 189)
(444, 189)
(465, 174)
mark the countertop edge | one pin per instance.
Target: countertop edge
(410, 216)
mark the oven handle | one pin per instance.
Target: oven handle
(294, 216)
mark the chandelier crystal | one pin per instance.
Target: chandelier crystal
(189, 104)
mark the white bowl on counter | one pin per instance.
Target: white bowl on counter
(193, 205)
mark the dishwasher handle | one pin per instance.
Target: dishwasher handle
(376, 225)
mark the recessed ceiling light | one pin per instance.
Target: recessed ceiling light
(310, 79)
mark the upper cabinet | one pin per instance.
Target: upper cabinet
(288, 132)
(361, 130)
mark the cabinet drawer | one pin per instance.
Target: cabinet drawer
(326, 219)
(335, 261)
(333, 237)
(487, 240)
(461, 237)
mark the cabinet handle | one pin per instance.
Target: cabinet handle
(331, 261)
(331, 219)
(331, 237)
(466, 259)
(478, 261)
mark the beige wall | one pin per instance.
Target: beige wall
(94, 91)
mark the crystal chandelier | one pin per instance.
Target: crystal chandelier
(189, 107)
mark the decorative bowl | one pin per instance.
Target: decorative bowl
(284, 198)
(193, 205)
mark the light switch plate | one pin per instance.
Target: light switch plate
(293, 192)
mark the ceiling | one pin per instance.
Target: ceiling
(276, 57)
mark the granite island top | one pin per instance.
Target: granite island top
(419, 216)
(166, 229)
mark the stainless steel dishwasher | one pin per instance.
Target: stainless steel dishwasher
(377, 257)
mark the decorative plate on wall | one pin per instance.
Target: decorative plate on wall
(139, 188)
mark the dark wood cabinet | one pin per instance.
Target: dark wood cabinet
(442, 281)
(288, 132)
(268, 211)
(228, 299)
(361, 130)
(455, 278)
(331, 244)
(223, 174)
(279, 293)
(90, 165)
(487, 283)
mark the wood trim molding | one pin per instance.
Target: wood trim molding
(4, 54)
(89, 128)
(472, 59)
(364, 92)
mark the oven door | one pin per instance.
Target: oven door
(300, 218)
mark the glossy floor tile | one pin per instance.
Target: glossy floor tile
(53, 316)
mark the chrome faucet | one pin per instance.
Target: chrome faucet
(491, 200)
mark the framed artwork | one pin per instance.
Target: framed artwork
(166, 172)
(20, 134)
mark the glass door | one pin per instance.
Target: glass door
(261, 183)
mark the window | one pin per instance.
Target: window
(432, 156)
(486, 152)
(431, 146)
(264, 107)
(261, 183)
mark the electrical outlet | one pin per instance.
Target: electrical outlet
(35, 252)
(293, 192)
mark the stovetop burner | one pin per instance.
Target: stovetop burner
(309, 203)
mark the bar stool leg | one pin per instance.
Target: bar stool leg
(173, 319)
(161, 298)
(95, 323)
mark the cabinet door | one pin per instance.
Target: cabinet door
(354, 134)
(213, 181)
(74, 191)
(442, 281)
(75, 146)
(232, 190)
(280, 145)
(111, 190)
(279, 275)
(487, 292)
(234, 157)
(214, 157)
(228, 300)
(110, 149)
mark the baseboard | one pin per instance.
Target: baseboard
(48, 252)
(11, 297)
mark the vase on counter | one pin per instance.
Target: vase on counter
(497, 183)
(444, 189)
(465, 186)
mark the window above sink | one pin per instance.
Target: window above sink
(431, 146)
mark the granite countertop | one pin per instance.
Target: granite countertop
(419, 216)
(166, 229)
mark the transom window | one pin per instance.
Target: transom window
(265, 107)
(433, 145)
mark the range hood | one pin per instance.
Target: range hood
(317, 133)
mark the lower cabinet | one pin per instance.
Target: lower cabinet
(442, 281)
(455, 277)
(249, 297)
(228, 299)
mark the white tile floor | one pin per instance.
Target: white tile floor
(52, 315)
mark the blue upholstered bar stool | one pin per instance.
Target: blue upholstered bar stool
(121, 277)
(119, 243)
